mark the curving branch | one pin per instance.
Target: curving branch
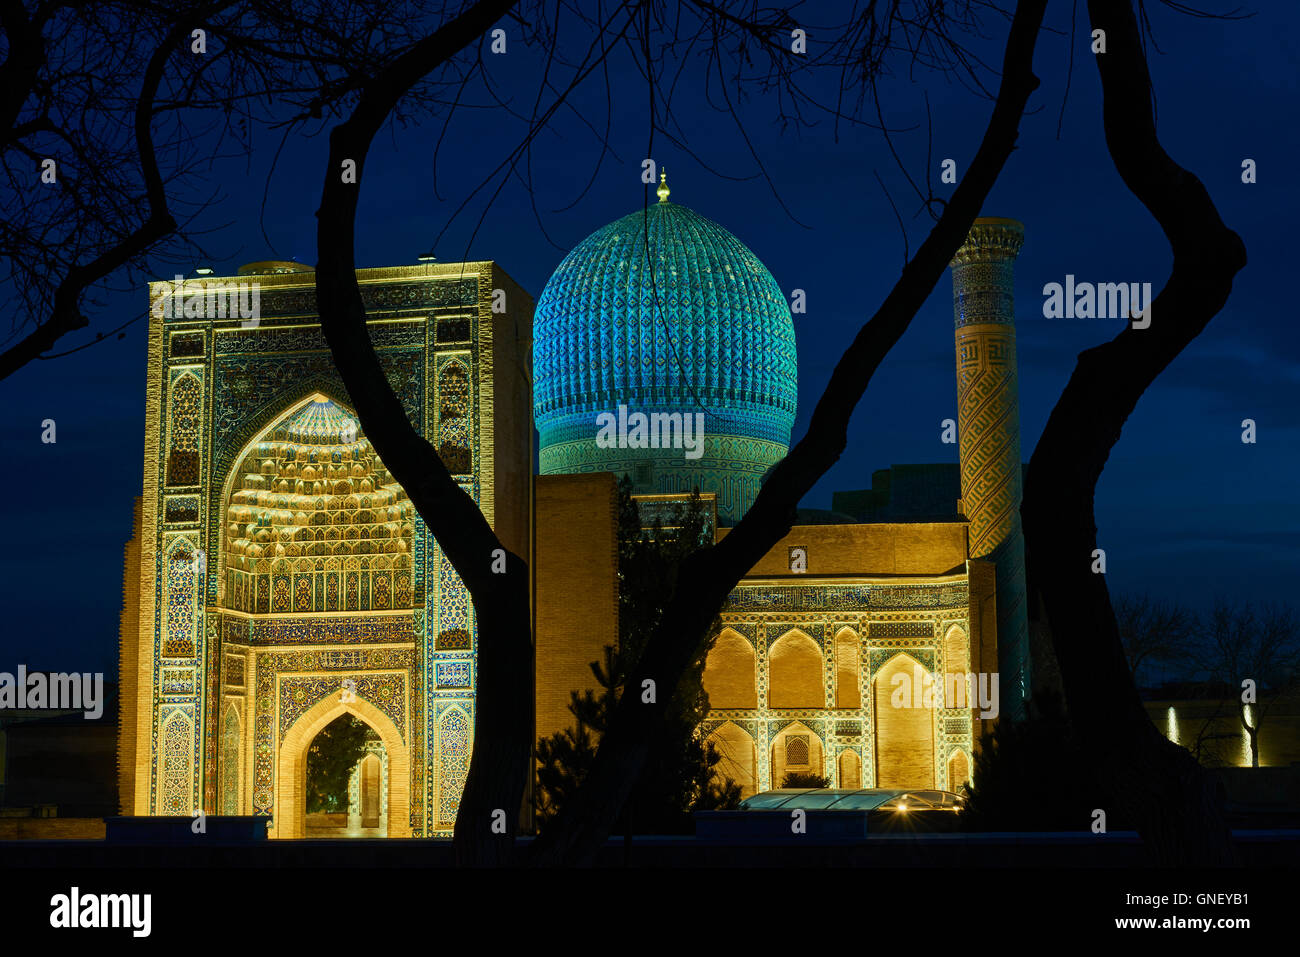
(709, 575)
(65, 314)
(499, 764)
(1157, 784)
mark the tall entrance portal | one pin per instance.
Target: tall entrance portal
(279, 577)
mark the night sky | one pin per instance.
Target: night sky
(1185, 509)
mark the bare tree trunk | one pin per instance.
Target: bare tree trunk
(489, 810)
(502, 743)
(1158, 784)
(708, 576)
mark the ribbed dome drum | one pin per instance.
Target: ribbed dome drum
(664, 311)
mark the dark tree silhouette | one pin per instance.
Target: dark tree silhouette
(136, 113)
(1154, 631)
(499, 762)
(1018, 763)
(499, 765)
(1158, 785)
(679, 778)
(103, 202)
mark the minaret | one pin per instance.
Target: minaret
(988, 425)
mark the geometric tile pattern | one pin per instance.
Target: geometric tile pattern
(665, 311)
(387, 692)
(453, 748)
(886, 620)
(988, 423)
(178, 779)
(288, 531)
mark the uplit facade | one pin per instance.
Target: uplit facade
(280, 578)
(826, 630)
(807, 671)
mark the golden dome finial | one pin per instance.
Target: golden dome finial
(663, 186)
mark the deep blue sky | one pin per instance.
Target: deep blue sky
(1184, 508)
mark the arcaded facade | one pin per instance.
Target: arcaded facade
(806, 673)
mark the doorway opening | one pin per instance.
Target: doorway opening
(346, 793)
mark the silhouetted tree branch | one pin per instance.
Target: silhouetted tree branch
(708, 576)
(1157, 784)
(499, 761)
(1154, 631)
(134, 118)
(499, 764)
(27, 56)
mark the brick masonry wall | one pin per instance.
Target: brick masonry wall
(912, 548)
(575, 570)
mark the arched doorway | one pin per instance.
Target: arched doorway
(291, 765)
(344, 796)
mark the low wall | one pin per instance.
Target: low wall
(51, 828)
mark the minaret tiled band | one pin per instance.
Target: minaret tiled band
(988, 423)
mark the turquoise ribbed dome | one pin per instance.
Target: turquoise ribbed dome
(664, 311)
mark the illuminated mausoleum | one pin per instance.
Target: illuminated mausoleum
(279, 579)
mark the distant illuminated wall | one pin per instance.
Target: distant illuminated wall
(1216, 733)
